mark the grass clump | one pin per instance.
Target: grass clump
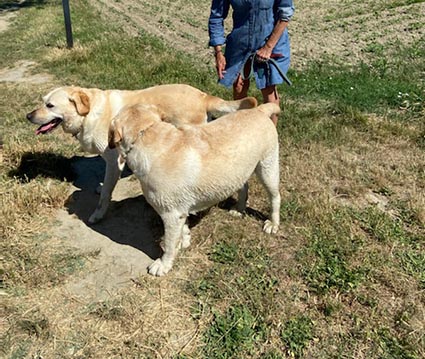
(232, 334)
(327, 258)
(296, 334)
(371, 88)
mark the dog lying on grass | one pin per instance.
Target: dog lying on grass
(194, 167)
(86, 113)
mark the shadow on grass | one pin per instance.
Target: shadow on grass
(230, 202)
(43, 164)
(16, 5)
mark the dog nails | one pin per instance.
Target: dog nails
(270, 228)
(235, 213)
(185, 242)
(96, 217)
(159, 268)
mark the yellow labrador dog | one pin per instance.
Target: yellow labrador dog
(86, 113)
(194, 167)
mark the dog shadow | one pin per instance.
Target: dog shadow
(230, 203)
(132, 221)
(43, 164)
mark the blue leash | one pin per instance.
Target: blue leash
(267, 63)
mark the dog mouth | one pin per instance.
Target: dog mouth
(50, 126)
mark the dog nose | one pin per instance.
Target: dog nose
(29, 115)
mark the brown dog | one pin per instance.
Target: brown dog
(87, 113)
(192, 168)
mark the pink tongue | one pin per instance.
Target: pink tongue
(45, 128)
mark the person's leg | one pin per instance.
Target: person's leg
(240, 88)
(270, 95)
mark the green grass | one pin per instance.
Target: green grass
(232, 333)
(371, 88)
(296, 334)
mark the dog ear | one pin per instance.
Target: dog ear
(115, 135)
(81, 102)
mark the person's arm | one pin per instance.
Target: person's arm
(219, 11)
(266, 51)
(285, 10)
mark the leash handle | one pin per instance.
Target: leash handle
(271, 60)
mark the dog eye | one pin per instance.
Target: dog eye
(49, 105)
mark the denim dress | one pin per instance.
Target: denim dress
(253, 22)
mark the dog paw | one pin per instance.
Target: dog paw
(95, 217)
(185, 243)
(159, 268)
(99, 188)
(236, 213)
(270, 228)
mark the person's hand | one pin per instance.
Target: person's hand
(220, 64)
(264, 53)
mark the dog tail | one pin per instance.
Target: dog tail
(217, 106)
(269, 109)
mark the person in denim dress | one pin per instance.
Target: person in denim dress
(259, 34)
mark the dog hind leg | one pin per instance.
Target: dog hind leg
(268, 173)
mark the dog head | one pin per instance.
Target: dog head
(130, 124)
(65, 105)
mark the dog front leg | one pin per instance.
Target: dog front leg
(173, 231)
(112, 174)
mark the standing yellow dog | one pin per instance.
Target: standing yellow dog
(86, 113)
(191, 168)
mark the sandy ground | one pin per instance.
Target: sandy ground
(5, 20)
(21, 72)
(126, 240)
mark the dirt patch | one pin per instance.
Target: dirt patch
(350, 35)
(20, 74)
(181, 24)
(5, 19)
(126, 239)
